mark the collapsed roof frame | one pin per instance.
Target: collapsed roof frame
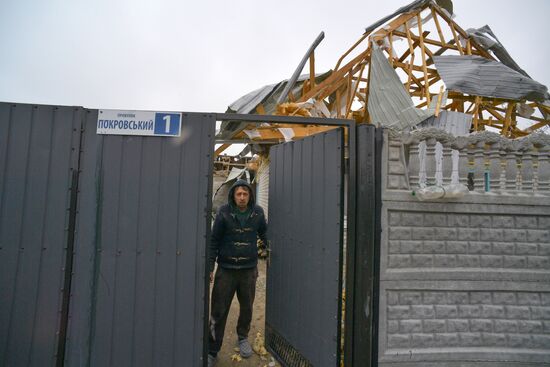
(498, 113)
(428, 32)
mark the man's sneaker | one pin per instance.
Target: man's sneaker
(244, 348)
(211, 360)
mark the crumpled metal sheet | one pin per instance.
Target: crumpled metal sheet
(389, 103)
(453, 122)
(476, 75)
(486, 38)
(417, 4)
(404, 9)
(250, 101)
(267, 96)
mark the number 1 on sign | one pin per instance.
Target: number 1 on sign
(167, 119)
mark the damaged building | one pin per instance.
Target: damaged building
(408, 200)
(464, 191)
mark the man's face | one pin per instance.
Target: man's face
(241, 196)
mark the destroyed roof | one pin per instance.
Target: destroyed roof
(486, 38)
(456, 123)
(476, 75)
(389, 103)
(267, 97)
(481, 79)
(417, 4)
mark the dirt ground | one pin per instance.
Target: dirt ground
(258, 324)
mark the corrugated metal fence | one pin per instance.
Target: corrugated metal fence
(39, 148)
(303, 298)
(131, 249)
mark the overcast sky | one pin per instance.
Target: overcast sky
(201, 56)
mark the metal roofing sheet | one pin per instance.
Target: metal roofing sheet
(248, 102)
(486, 38)
(267, 96)
(483, 77)
(404, 9)
(389, 103)
(456, 123)
(446, 5)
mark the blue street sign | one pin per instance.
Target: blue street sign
(167, 123)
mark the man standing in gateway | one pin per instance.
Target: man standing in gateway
(237, 226)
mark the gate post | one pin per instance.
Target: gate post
(362, 276)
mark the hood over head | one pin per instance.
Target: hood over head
(231, 197)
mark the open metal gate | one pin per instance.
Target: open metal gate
(303, 299)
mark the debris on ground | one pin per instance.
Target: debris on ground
(236, 357)
(259, 347)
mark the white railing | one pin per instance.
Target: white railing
(442, 165)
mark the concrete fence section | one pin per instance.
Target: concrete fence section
(465, 281)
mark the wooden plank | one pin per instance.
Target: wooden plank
(430, 41)
(356, 78)
(220, 149)
(457, 41)
(365, 35)
(537, 126)
(449, 21)
(438, 105)
(463, 33)
(299, 131)
(393, 25)
(437, 25)
(457, 95)
(475, 114)
(423, 50)
(434, 79)
(366, 115)
(350, 101)
(411, 51)
(421, 105)
(508, 119)
(390, 51)
(336, 76)
(406, 67)
(331, 88)
(468, 46)
(495, 114)
(338, 99)
(415, 44)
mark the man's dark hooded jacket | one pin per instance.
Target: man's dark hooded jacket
(234, 243)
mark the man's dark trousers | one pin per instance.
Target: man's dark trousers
(227, 282)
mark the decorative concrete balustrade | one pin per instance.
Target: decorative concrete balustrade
(464, 280)
(438, 164)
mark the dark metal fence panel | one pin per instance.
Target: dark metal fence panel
(364, 308)
(144, 209)
(38, 152)
(306, 230)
